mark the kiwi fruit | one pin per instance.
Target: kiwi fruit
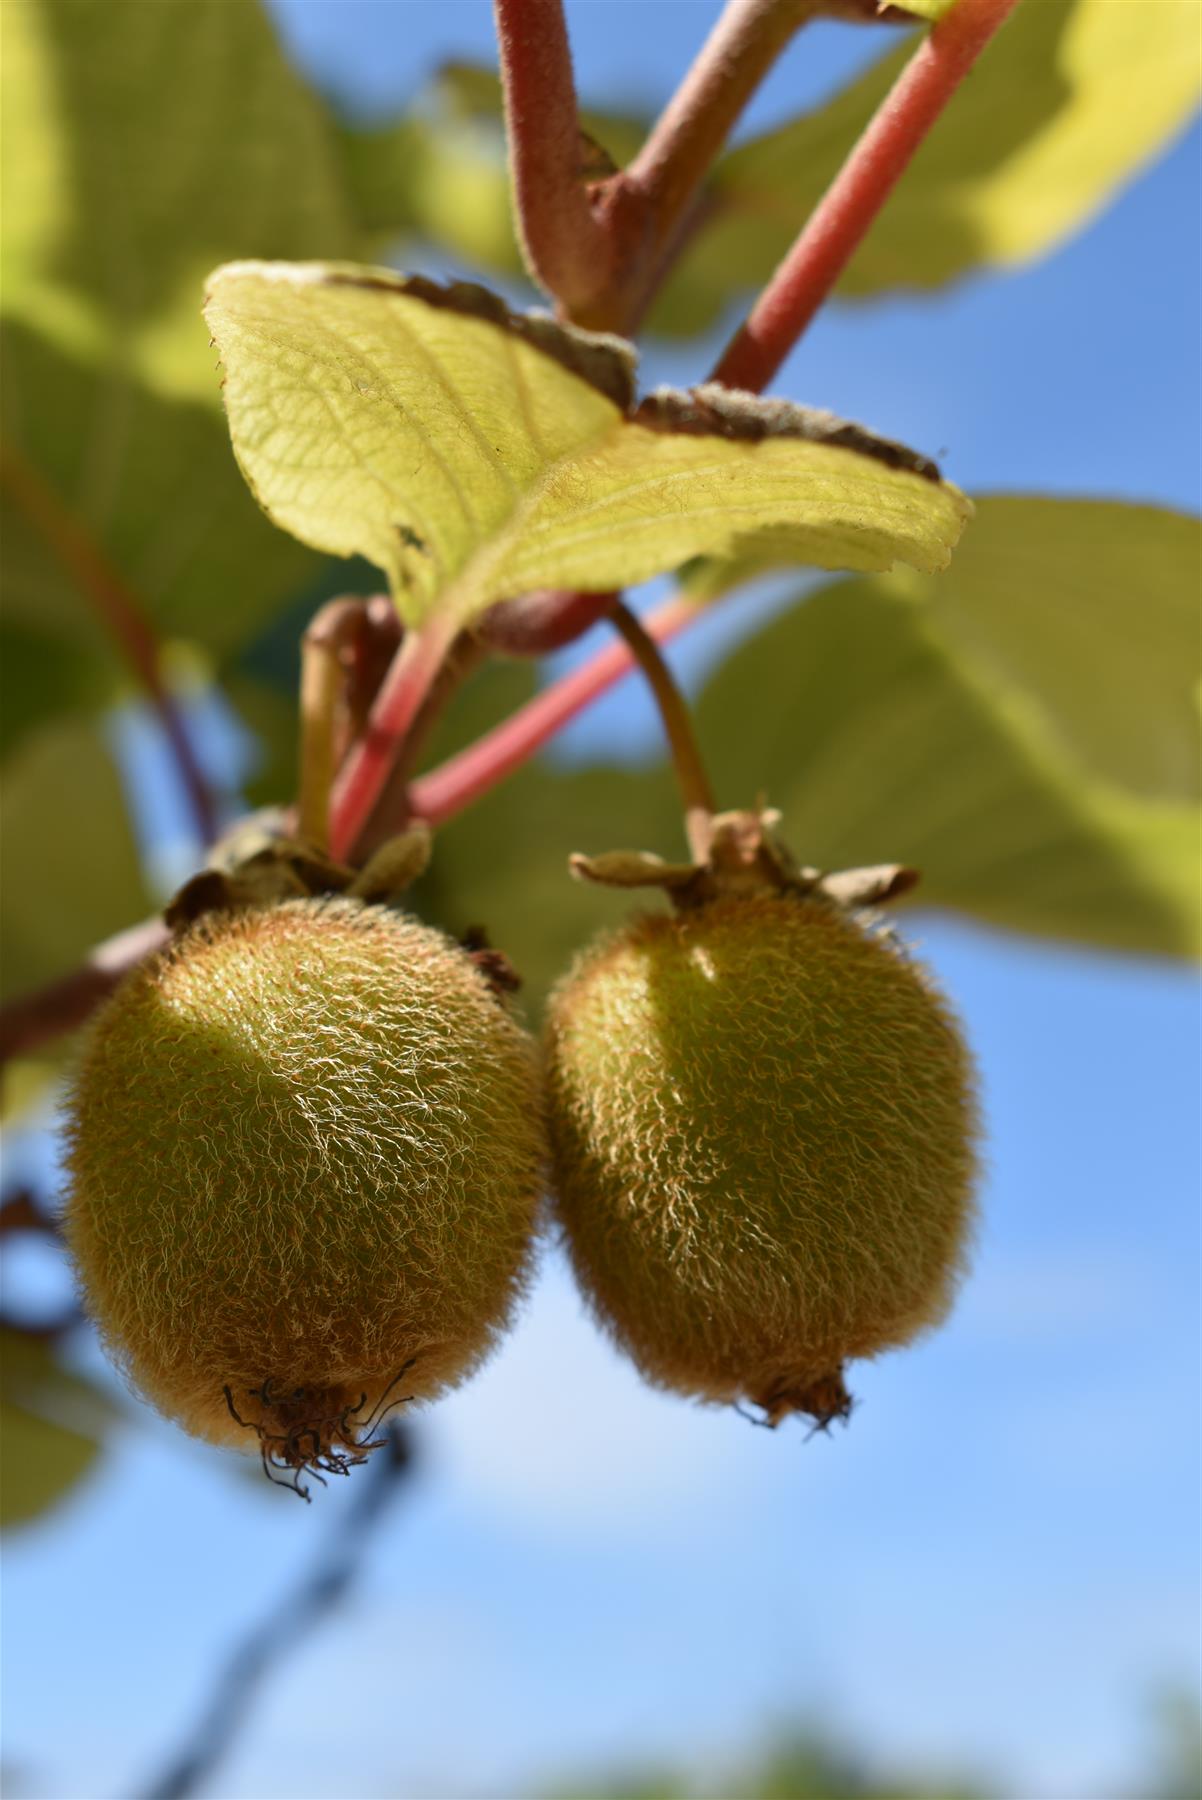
(763, 1127)
(306, 1154)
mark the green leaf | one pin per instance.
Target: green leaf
(887, 741)
(1089, 611)
(1068, 103)
(51, 1421)
(472, 453)
(1086, 613)
(70, 875)
(132, 180)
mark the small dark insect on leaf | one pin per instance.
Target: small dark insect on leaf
(411, 540)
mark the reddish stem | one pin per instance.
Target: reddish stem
(565, 249)
(646, 204)
(450, 788)
(851, 203)
(369, 767)
(102, 586)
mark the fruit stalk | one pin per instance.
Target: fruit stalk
(851, 203)
(695, 788)
(464, 778)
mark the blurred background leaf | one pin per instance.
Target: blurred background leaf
(53, 1423)
(1086, 609)
(122, 187)
(891, 739)
(71, 866)
(1074, 97)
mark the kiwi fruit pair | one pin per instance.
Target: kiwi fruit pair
(307, 1154)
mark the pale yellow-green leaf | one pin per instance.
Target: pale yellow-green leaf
(1089, 610)
(883, 740)
(472, 453)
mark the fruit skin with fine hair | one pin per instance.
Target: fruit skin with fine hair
(763, 1130)
(306, 1148)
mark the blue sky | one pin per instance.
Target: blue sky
(996, 1565)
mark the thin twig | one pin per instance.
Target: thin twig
(35, 1019)
(301, 1609)
(565, 249)
(842, 217)
(119, 610)
(449, 789)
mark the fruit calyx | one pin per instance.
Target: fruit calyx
(318, 1430)
(740, 856)
(823, 1400)
(259, 864)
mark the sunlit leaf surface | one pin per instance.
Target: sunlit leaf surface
(472, 453)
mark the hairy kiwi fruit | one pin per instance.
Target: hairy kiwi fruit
(306, 1150)
(763, 1136)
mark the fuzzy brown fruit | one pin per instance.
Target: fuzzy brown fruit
(763, 1128)
(306, 1153)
